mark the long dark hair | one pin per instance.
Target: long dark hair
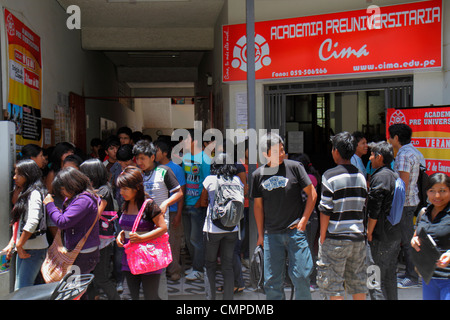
(95, 171)
(223, 166)
(132, 177)
(74, 181)
(59, 150)
(33, 175)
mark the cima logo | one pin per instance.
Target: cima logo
(262, 58)
(397, 117)
(10, 27)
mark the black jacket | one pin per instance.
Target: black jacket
(379, 202)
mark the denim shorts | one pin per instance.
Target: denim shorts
(342, 267)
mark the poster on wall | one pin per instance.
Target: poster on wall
(431, 133)
(391, 38)
(24, 80)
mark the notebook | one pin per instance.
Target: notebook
(425, 259)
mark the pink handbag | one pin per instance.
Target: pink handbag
(148, 256)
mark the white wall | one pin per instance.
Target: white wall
(159, 114)
(66, 67)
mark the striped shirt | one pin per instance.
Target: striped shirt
(344, 192)
(159, 183)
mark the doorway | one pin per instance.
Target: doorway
(308, 114)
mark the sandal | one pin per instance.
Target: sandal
(238, 290)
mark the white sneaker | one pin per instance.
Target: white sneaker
(187, 271)
(194, 275)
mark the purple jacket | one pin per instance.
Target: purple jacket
(76, 220)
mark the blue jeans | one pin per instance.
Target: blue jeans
(295, 244)
(193, 220)
(436, 289)
(28, 269)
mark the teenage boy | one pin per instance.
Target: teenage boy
(175, 211)
(125, 135)
(111, 146)
(159, 180)
(125, 158)
(383, 237)
(159, 183)
(342, 246)
(197, 166)
(281, 217)
(407, 165)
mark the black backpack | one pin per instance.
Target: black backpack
(422, 183)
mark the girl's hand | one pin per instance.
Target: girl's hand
(444, 260)
(120, 239)
(9, 250)
(415, 243)
(135, 238)
(22, 253)
(48, 199)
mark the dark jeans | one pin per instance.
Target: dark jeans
(407, 229)
(384, 255)
(87, 261)
(226, 242)
(101, 274)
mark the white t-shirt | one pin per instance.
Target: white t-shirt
(209, 184)
(32, 218)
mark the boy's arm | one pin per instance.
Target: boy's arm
(309, 207)
(324, 220)
(259, 218)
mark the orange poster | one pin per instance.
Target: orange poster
(25, 80)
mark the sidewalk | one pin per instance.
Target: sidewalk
(195, 290)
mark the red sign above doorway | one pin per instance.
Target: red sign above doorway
(392, 38)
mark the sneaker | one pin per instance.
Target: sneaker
(407, 283)
(187, 271)
(194, 275)
(120, 288)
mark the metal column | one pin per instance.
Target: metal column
(251, 109)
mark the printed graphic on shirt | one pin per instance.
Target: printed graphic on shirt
(275, 182)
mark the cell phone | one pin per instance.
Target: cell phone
(294, 223)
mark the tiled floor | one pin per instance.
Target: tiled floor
(195, 290)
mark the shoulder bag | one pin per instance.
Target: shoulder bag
(148, 256)
(58, 259)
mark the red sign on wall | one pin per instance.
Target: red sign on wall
(392, 38)
(431, 133)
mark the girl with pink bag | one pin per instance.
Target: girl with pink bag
(151, 226)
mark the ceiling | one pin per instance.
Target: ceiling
(149, 40)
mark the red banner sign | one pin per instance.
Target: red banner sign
(431, 133)
(392, 38)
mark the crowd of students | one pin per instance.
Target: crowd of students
(327, 229)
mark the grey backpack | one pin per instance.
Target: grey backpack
(228, 207)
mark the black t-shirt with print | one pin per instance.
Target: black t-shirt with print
(281, 193)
